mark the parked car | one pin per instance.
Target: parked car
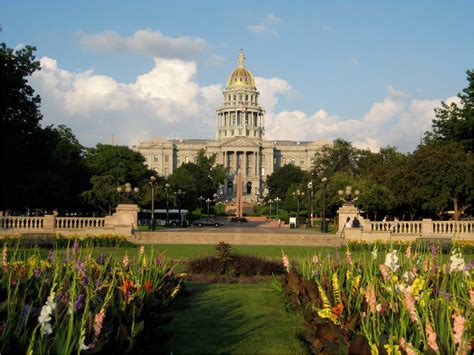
(207, 222)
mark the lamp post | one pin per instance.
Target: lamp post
(152, 183)
(299, 195)
(347, 196)
(270, 203)
(310, 189)
(200, 199)
(178, 195)
(208, 201)
(167, 191)
(277, 200)
(323, 219)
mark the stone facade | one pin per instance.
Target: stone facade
(240, 131)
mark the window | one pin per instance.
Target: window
(283, 161)
(293, 161)
(263, 171)
(167, 158)
(166, 171)
(240, 97)
(155, 158)
(186, 159)
(246, 97)
(255, 119)
(301, 161)
(235, 97)
(178, 160)
(246, 121)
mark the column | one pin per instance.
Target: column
(245, 163)
(255, 164)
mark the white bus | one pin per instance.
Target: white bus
(144, 217)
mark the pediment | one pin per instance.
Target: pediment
(241, 142)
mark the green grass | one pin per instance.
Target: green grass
(231, 319)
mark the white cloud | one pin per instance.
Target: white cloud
(146, 41)
(267, 25)
(168, 102)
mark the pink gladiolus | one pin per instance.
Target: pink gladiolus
(410, 305)
(431, 337)
(471, 295)
(99, 322)
(408, 347)
(142, 250)
(4, 258)
(286, 262)
(370, 298)
(384, 272)
(458, 328)
(408, 252)
(125, 261)
(315, 259)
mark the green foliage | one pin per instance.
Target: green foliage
(280, 181)
(341, 156)
(49, 241)
(455, 123)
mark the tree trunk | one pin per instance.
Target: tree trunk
(456, 208)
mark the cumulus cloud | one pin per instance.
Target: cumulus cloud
(267, 25)
(146, 41)
(168, 102)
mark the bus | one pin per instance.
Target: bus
(144, 217)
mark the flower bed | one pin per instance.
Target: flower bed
(71, 303)
(409, 303)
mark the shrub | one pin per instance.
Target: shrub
(49, 241)
(238, 220)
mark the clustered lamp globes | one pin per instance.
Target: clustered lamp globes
(127, 188)
(348, 194)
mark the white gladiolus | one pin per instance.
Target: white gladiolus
(45, 314)
(457, 263)
(374, 253)
(391, 261)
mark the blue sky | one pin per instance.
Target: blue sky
(351, 69)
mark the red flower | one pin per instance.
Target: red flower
(148, 286)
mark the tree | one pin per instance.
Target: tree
(280, 180)
(341, 156)
(435, 179)
(102, 194)
(455, 123)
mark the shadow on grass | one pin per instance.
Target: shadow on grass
(213, 320)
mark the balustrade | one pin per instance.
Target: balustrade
(79, 222)
(24, 223)
(396, 227)
(453, 227)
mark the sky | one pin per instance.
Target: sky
(370, 72)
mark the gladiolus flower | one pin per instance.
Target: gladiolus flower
(99, 322)
(408, 347)
(384, 272)
(45, 314)
(338, 309)
(142, 250)
(410, 305)
(458, 328)
(148, 286)
(370, 298)
(391, 261)
(315, 259)
(374, 253)
(51, 256)
(457, 263)
(471, 295)
(408, 252)
(379, 308)
(125, 261)
(4, 258)
(431, 334)
(349, 257)
(286, 263)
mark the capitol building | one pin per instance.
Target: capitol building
(239, 141)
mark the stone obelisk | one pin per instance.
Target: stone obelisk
(239, 195)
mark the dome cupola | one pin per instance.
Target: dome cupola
(241, 77)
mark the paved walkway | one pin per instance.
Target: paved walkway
(237, 235)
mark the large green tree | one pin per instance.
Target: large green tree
(455, 123)
(281, 179)
(42, 167)
(340, 156)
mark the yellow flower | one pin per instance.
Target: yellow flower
(395, 278)
(175, 291)
(392, 349)
(374, 350)
(417, 286)
(181, 275)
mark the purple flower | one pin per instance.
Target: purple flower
(158, 260)
(68, 255)
(81, 268)
(25, 311)
(316, 273)
(37, 272)
(76, 246)
(337, 256)
(101, 259)
(446, 295)
(469, 265)
(433, 250)
(51, 256)
(79, 302)
(98, 283)
(85, 280)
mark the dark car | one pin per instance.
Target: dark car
(207, 222)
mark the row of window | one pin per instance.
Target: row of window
(223, 133)
(253, 98)
(178, 159)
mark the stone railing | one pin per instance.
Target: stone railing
(402, 230)
(121, 222)
(23, 223)
(78, 222)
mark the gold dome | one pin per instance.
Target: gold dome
(241, 77)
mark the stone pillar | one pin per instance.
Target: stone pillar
(255, 164)
(346, 210)
(426, 227)
(48, 223)
(126, 215)
(245, 163)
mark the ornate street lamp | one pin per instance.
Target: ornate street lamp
(347, 196)
(277, 200)
(152, 184)
(200, 199)
(125, 191)
(299, 196)
(167, 191)
(208, 201)
(270, 203)
(323, 219)
(178, 195)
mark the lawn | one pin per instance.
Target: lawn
(230, 318)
